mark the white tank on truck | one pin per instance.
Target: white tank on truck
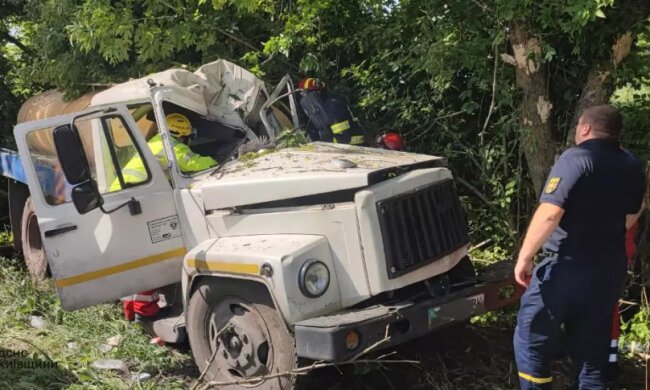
(285, 252)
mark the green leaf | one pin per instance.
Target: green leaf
(600, 14)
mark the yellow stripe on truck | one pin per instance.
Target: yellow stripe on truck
(101, 273)
(203, 265)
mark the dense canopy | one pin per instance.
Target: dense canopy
(493, 85)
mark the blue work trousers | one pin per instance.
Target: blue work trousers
(568, 301)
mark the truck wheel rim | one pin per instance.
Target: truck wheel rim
(244, 350)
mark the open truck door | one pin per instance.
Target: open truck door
(108, 230)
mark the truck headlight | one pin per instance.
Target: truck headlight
(314, 278)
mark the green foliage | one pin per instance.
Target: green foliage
(497, 319)
(429, 69)
(6, 237)
(633, 99)
(635, 106)
(87, 328)
(84, 42)
(291, 139)
(489, 254)
(636, 332)
(100, 26)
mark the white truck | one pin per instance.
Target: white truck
(310, 252)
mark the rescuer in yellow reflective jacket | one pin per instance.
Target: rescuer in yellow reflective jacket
(188, 161)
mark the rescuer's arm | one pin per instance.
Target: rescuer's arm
(189, 161)
(564, 175)
(545, 220)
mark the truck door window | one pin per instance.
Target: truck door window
(123, 152)
(47, 166)
(110, 150)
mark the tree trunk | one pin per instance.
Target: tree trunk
(536, 131)
(599, 86)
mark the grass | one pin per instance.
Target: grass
(476, 356)
(88, 329)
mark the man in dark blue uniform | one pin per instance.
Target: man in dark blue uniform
(592, 193)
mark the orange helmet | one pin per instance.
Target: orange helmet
(308, 84)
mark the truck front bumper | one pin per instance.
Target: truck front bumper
(323, 338)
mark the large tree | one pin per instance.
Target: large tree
(494, 85)
(586, 39)
(13, 54)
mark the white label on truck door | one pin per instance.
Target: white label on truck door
(164, 228)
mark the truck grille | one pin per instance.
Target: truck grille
(421, 226)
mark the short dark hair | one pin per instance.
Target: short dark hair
(605, 120)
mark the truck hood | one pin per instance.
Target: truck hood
(312, 174)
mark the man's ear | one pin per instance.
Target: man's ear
(586, 129)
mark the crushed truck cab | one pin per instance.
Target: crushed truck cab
(316, 251)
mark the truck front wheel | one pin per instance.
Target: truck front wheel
(236, 335)
(32, 244)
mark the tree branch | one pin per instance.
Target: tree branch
(320, 364)
(494, 92)
(237, 39)
(307, 369)
(474, 190)
(36, 347)
(11, 39)
(214, 354)
(482, 6)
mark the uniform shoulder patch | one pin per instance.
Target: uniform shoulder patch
(552, 184)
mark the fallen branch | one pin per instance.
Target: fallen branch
(214, 354)
(307, 369)
(320, 364)
(479, 245)
(373, 346)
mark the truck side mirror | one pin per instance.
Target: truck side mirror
(71, 154)
(86, 197)
(69, 148)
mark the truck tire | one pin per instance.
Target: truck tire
(33, 251)
(257, 343)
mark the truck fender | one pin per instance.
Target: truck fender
(273, 260)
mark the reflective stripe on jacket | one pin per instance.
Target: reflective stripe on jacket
(144, 304)
(135, 172)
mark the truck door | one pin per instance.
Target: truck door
(103, 254)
